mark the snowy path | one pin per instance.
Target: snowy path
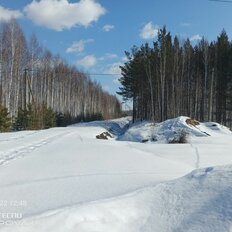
(77, 168)
(22, 143)
(67, 172)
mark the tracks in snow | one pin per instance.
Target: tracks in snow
(19, 147)
(197, 165)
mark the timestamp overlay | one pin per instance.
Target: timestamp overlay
(12, 211)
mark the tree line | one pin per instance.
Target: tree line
(173, 78)
(35, 84)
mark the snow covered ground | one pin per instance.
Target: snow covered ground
(66, 180)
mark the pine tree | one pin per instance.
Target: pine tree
(169, 79)
(5, 120)
(223, 72)
(49, 117)
(21, 121)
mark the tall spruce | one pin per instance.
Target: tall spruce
(5, 120)
(172, 78)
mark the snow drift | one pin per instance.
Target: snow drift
(169, 130)
(71, 181)
(200, 201)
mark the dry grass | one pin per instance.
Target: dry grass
(182, 137)
(192, 122)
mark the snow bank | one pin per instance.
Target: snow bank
(199, 201)
(170, 129)
(115, 126)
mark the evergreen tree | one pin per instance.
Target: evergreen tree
(169, 79)
(49, 117)
(222, 75)
(5, 120)
(21, 121)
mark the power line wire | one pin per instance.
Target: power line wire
(67, 73)
(104, 74)
(227, 1)
(84, 73)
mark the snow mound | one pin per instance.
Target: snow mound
(199, 201)
(171, 130)
(214, 128)
(115, 126)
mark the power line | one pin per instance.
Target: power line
(84, 73)
(67, 73)
(103, 74)
(227, 1)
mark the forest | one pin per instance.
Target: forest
(40, 90)
(174, 77)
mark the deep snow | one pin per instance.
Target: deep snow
(166, 131)
(64, 179)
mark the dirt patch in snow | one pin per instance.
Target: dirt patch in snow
(192, 122)
(104, 135)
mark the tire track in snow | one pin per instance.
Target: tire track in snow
(6, 157)
(22, 136)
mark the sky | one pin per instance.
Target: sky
(94, 34)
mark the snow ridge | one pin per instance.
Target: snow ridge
(199, 201)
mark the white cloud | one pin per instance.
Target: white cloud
(78, 46)
(108, 27)
(60, 14)
(108, 56)
(7, 14)
(149, 31)
(195, 38)
(124, 59)
(111, 56)
(113, 69)
(88, 61)
(116, 81)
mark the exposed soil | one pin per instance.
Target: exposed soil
(104, 135)
(192, 122)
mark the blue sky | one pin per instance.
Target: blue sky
(93, 34)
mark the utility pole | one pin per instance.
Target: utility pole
(28, 95)
(210, 109)
(1, 83)
(31, 96)
(25, 89)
